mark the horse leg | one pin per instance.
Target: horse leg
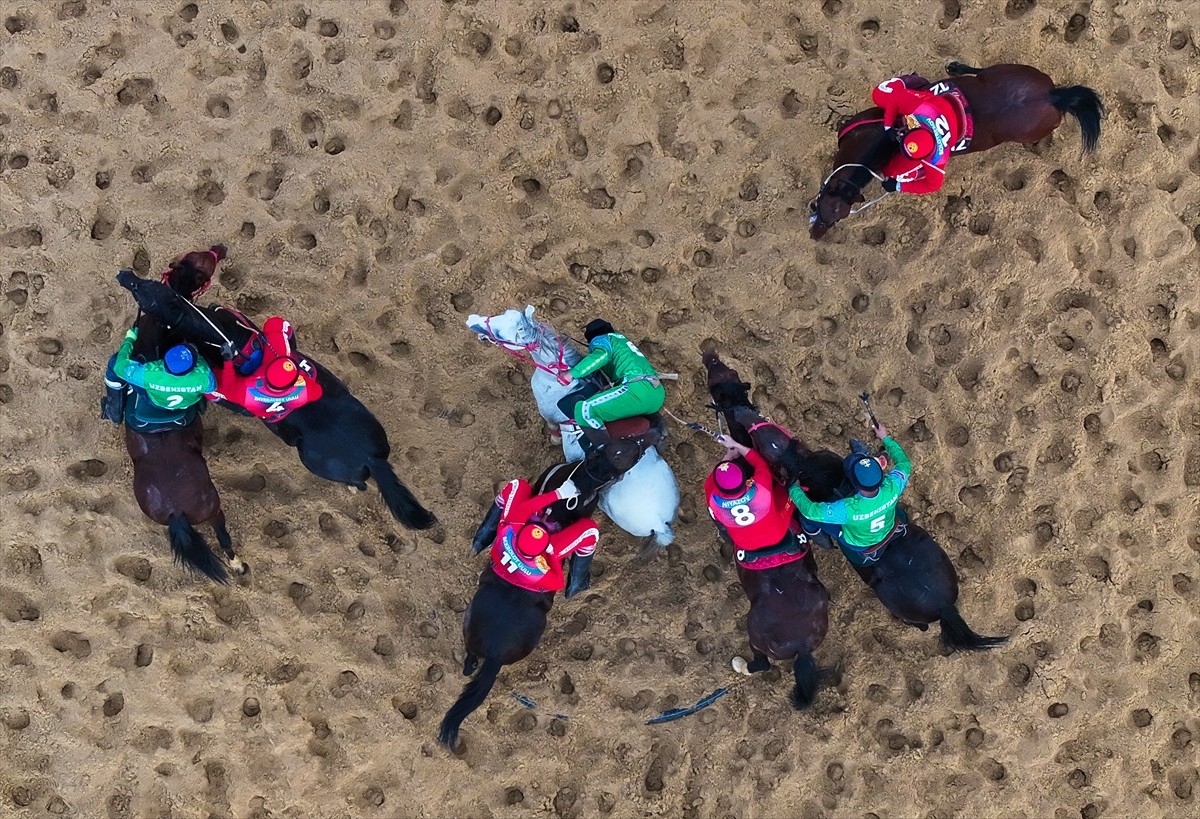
(470, 664)
(555, 433)
(957, 69)
(226, 543)
(759, 663)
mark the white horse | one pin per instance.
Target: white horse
(644, 502)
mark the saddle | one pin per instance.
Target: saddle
(792, 548)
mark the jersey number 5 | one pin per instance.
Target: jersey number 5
(879, 524)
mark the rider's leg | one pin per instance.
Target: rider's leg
(825, 535)
(581, 577)
(112, 405)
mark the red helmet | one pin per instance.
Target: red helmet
(281, 374)
(532, 541)
(729, 476)
(918, 143)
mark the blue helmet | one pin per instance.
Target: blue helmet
(180, 359)
(864, 472)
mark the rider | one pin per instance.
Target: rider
(163, 391)
(530, 546)
(865, 521)
(635, 390)
(926, 126)
(752, 509)
(269, 378)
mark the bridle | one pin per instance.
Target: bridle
(166, 274)
(524, 352)
(856, 190)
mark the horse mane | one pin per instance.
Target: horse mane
(547, 334)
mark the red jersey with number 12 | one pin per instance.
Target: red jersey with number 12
(756, 516)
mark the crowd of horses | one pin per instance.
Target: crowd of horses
(339, 439)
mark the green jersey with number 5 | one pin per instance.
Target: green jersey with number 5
(617, 356)
(865, 521)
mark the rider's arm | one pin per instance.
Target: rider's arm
(581, 538)
(600, 355)
(128, 370)
(835, 512)
(525, 509)
(901, 467)
(929, 180)
(889, 95)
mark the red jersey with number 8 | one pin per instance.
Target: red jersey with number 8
(757, 515)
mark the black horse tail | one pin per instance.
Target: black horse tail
(404, 507)
(808, 679)
(191, 550)
(473, 695)
(957, 635)
(1085, 105)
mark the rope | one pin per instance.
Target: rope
(690, 425)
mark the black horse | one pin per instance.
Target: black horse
(914, 578)
(504, 623)
(336, 436)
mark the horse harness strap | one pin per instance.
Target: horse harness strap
(898, 531)
(794, 544)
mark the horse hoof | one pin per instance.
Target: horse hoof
(237, 566)
(741, 666)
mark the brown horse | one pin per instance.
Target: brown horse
(1008, 103)
(171, 480)
(789, 605)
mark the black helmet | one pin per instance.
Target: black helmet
(597, 327)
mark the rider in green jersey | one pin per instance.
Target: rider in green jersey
(863, 522)
(166, 393)
(635, 390)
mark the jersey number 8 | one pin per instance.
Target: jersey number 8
(742, 515)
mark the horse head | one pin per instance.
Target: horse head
(512, 329)
(190, 274)
(833, 203)
(724, 384)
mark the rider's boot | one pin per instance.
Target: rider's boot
(593, 439)
(112, 405)
(581, 578)
(857, 447)
(818, 536)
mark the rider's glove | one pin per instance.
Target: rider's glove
(891, 185)
(568, 490)
(131, 334)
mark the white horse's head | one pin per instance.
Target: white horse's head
(512, 328)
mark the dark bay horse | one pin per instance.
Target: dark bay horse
(789, 605)
(914, 578)
(336, 436)
(171, 481)
(504, 623)
(1009, 103)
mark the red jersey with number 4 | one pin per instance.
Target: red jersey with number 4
(756, 516)
(283, 381)
(529, 555)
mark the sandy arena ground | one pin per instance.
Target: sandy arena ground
(380, 170)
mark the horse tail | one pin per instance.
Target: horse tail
(958, 636)
(191, 550)
(659, 539)
(473, 695)
(401, 502)
(808, 678)
(1085, 105)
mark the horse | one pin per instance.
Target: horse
(504, 623)
(645, 501)
(336, 436)
(913, 578)
(789, 605)
(1007, 103)
(171, 481)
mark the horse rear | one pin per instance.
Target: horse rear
(916, 582)
(788, 620)
(173, 487)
